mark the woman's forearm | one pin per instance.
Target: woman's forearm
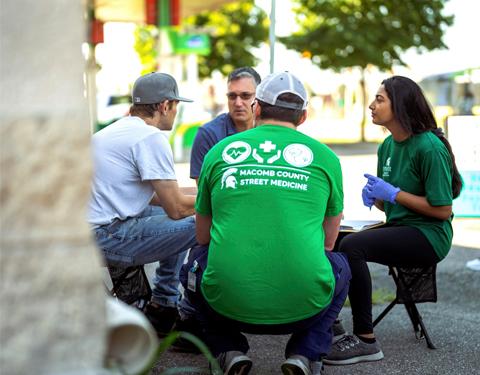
(420, 204)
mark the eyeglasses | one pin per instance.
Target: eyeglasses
(243, 96)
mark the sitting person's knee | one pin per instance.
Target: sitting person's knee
(348, 245)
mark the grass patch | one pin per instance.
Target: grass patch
(379, 296)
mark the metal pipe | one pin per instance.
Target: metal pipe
(272, 36)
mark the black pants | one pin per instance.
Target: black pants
(392, 246)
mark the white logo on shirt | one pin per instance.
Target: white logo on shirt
(298, 155)
(228, 180)
(268, 146)
(387, 169)
(236, 152)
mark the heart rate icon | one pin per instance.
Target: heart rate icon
(236, 152)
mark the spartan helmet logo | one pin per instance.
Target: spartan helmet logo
(228, 180)
(388, 162)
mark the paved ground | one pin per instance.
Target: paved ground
(453, 322)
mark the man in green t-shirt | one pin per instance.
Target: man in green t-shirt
(269, 204)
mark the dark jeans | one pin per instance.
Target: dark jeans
(311, 337)
(392, 246)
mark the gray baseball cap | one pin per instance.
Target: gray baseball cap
(277, 84)
(155, 88)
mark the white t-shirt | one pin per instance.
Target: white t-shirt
(126, 156)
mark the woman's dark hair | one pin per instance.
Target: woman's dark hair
(274, 112)
(146, 110)
(414, 114)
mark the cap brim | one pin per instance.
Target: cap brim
(183, 99)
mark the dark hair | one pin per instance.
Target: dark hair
(274, 112)
(244, 72)
(146, 110)
(414, 114)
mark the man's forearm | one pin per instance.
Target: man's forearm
(203, 224)
(331, 226)
(186, 206)
(174, 202)
(189, 190)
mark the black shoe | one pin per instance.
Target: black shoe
(162, 318)
(300, 365)
(232, 363)
(190, 325)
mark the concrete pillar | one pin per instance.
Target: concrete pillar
(52, 301)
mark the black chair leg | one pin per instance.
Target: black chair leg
(410, 307)
(385, 312)
(416, 318)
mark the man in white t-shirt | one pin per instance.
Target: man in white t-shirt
(137, 210)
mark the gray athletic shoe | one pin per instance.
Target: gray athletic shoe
(300, 365)
(232, 363)
(338, 331)
(351, 349)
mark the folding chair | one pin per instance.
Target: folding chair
(414, 285)
(131, 285)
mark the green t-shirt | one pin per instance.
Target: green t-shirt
(268, 190)
(420, 165)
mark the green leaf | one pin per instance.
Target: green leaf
(349, 33)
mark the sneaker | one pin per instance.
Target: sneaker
(300, 365)
(338, 331)
(351, 349)
(190, 325)
(474, 264)
(162, 318)
(233, 363)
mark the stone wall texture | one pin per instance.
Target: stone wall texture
(52, 317)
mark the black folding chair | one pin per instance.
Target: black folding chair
(131, 285)
(414, 285)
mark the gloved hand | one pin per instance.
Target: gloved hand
(367, 200)
(378, 188)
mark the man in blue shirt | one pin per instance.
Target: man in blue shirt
(241, 87)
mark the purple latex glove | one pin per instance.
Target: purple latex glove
(378, 188)
(367, 201)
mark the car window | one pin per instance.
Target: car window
(120, 100)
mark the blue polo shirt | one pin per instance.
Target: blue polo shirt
(207, 136)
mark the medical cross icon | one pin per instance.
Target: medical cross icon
(268, 146)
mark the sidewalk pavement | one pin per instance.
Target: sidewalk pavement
(452, 322)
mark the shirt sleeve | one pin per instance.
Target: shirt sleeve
(335, 201)
(153, 158)
(201, 145)
(437, 170)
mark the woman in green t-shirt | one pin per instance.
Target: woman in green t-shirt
(416, 181)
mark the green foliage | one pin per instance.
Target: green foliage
(379, 296)
(348, 33)
(168, 341)
(238, 27)
(145, 47)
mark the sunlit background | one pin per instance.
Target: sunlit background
(334, 99)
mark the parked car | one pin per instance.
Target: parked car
(111, 108)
